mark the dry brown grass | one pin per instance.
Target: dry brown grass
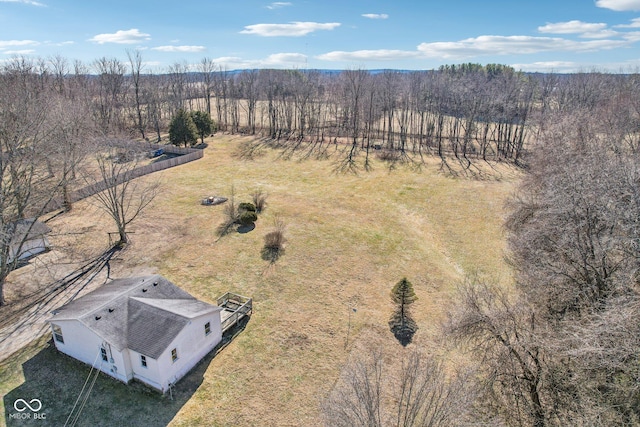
(350, 238)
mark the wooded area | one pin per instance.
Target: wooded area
(563, 349)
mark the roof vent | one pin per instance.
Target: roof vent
(155, 283)
(144, 290)
(98, 317)
(111, 310)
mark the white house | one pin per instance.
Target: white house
(28, 238)
(143, 328)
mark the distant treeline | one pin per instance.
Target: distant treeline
(467, 111)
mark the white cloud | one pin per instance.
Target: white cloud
(375, 15)
(631, 66)
(619, 5)
(292, 29)
(188, 49)
(548, 66)
(584, 29)
(4, 44)
(480, 46)
(632, 36)
(29, 2)
(131, 36)
(19, 52)
(602, 34)
(369, 55)
(276, 60)
(52, 43)
(635, 23)
(279, 4)
(571, 27)
(512, 45)
(285, 58)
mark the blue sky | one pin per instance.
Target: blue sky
(540, 35)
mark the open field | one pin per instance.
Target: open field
(350, 239)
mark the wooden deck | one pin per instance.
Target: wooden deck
(234, 308)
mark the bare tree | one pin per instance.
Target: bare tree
(71, 128)
(502, 335)
(231, 214)
(111, 90)
(221, 85)
(26, 184)
(207, 69)
(177, 83)
(415, 391)
(135, 61)
(573, 240)
(156, 103)
(248, 87)
(356, 401)
(60, 70)
(123, 196)
(354, 95)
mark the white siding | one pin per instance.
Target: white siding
(149, 375)
(192, 345)
(84, 345)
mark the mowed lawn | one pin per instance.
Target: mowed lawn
(351, 237)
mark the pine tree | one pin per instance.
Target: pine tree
(204, 124)
(401, 323)
(182, 130)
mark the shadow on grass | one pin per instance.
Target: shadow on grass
(243, 229)
(56, 379)
(32, 308)
(271, 254)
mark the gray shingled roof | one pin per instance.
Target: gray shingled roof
(143, 314)
(27, 229)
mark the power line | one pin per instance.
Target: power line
(76, 417)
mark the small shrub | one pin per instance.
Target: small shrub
(246, 207)
(274, 243)
(259, 200)
(388, 155)
(231, 215)
(247, 218)
(275, 240)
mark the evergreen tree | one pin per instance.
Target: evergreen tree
(182, 129)
(204, 124)
(401, 323)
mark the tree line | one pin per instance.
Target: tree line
(466, 112)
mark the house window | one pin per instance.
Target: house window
(207, 328)
(174, 354)
(143, 361)
(57, 334)
(103, 353)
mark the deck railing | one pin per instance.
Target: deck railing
(239, 305)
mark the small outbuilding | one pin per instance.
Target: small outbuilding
(143, 328)
(28, 238)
